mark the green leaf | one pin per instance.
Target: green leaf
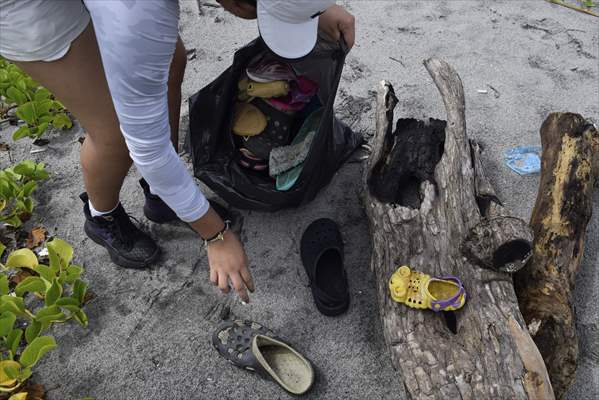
(13, 221)
(79, 289)
(49, 314)
(40, 173)
(2, 248)
(3, 285)
(44, 107)
(32, 331)
(28, 188)
(53, 293)
(10, 370)
(42, 94)
(41, 128)
(31, 84)
(28, 202)
(19, 396)
(13, 341)
(62, 121)
(21, 85)
(45, 119)
(46, 273)
(7, 321)
(13, 304)
(24, 168)
(61, 254)
(22, 132)
(22, 258)
(68, 303)
(27, 112)
(80, 317)
(31, 284)
(58, 105)
(36, 349)
(25, 374)
(14, 95)
(73, 273)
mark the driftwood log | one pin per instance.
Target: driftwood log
(559, 220)
(445, 219)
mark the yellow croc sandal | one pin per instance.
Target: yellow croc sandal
(418, 290)
(268, 90)
(248, 120)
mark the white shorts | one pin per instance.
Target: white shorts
(40, 30)
(137, 40)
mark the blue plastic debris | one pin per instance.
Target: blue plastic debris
(524, 160)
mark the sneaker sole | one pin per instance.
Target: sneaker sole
(116, 257)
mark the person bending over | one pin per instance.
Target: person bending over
(118, 66)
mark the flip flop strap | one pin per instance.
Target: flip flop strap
(453, 300)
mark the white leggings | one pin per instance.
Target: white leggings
(137, 41)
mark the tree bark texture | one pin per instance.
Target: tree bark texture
(445, 219)
(559, 220)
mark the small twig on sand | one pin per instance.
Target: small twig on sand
(573, 7)
(497, 94)
(398, 61)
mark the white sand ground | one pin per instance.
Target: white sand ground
(149, 331)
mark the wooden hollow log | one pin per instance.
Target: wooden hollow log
(559, 220)
(423, 222)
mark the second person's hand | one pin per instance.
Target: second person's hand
(336, 22)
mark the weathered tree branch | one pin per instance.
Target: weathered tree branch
(559, 220)
(492, 355)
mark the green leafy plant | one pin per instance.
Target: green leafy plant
(44, 295)
(17, 184)
(35, 105)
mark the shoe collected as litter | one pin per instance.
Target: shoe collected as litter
(253, 347)
(419, 290)
(276, 117)
(321, 250)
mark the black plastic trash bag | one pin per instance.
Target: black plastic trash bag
(211, 145)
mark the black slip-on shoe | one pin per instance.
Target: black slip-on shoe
(321, 250)
(127, 245)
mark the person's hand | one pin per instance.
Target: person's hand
(335, 22)
(228, 262)
(226, 258)
(239, 8)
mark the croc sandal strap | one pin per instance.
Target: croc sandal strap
(233, 341)
(442, 305)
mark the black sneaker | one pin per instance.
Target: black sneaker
(127, 245)
(159, 212)
(155, 209)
